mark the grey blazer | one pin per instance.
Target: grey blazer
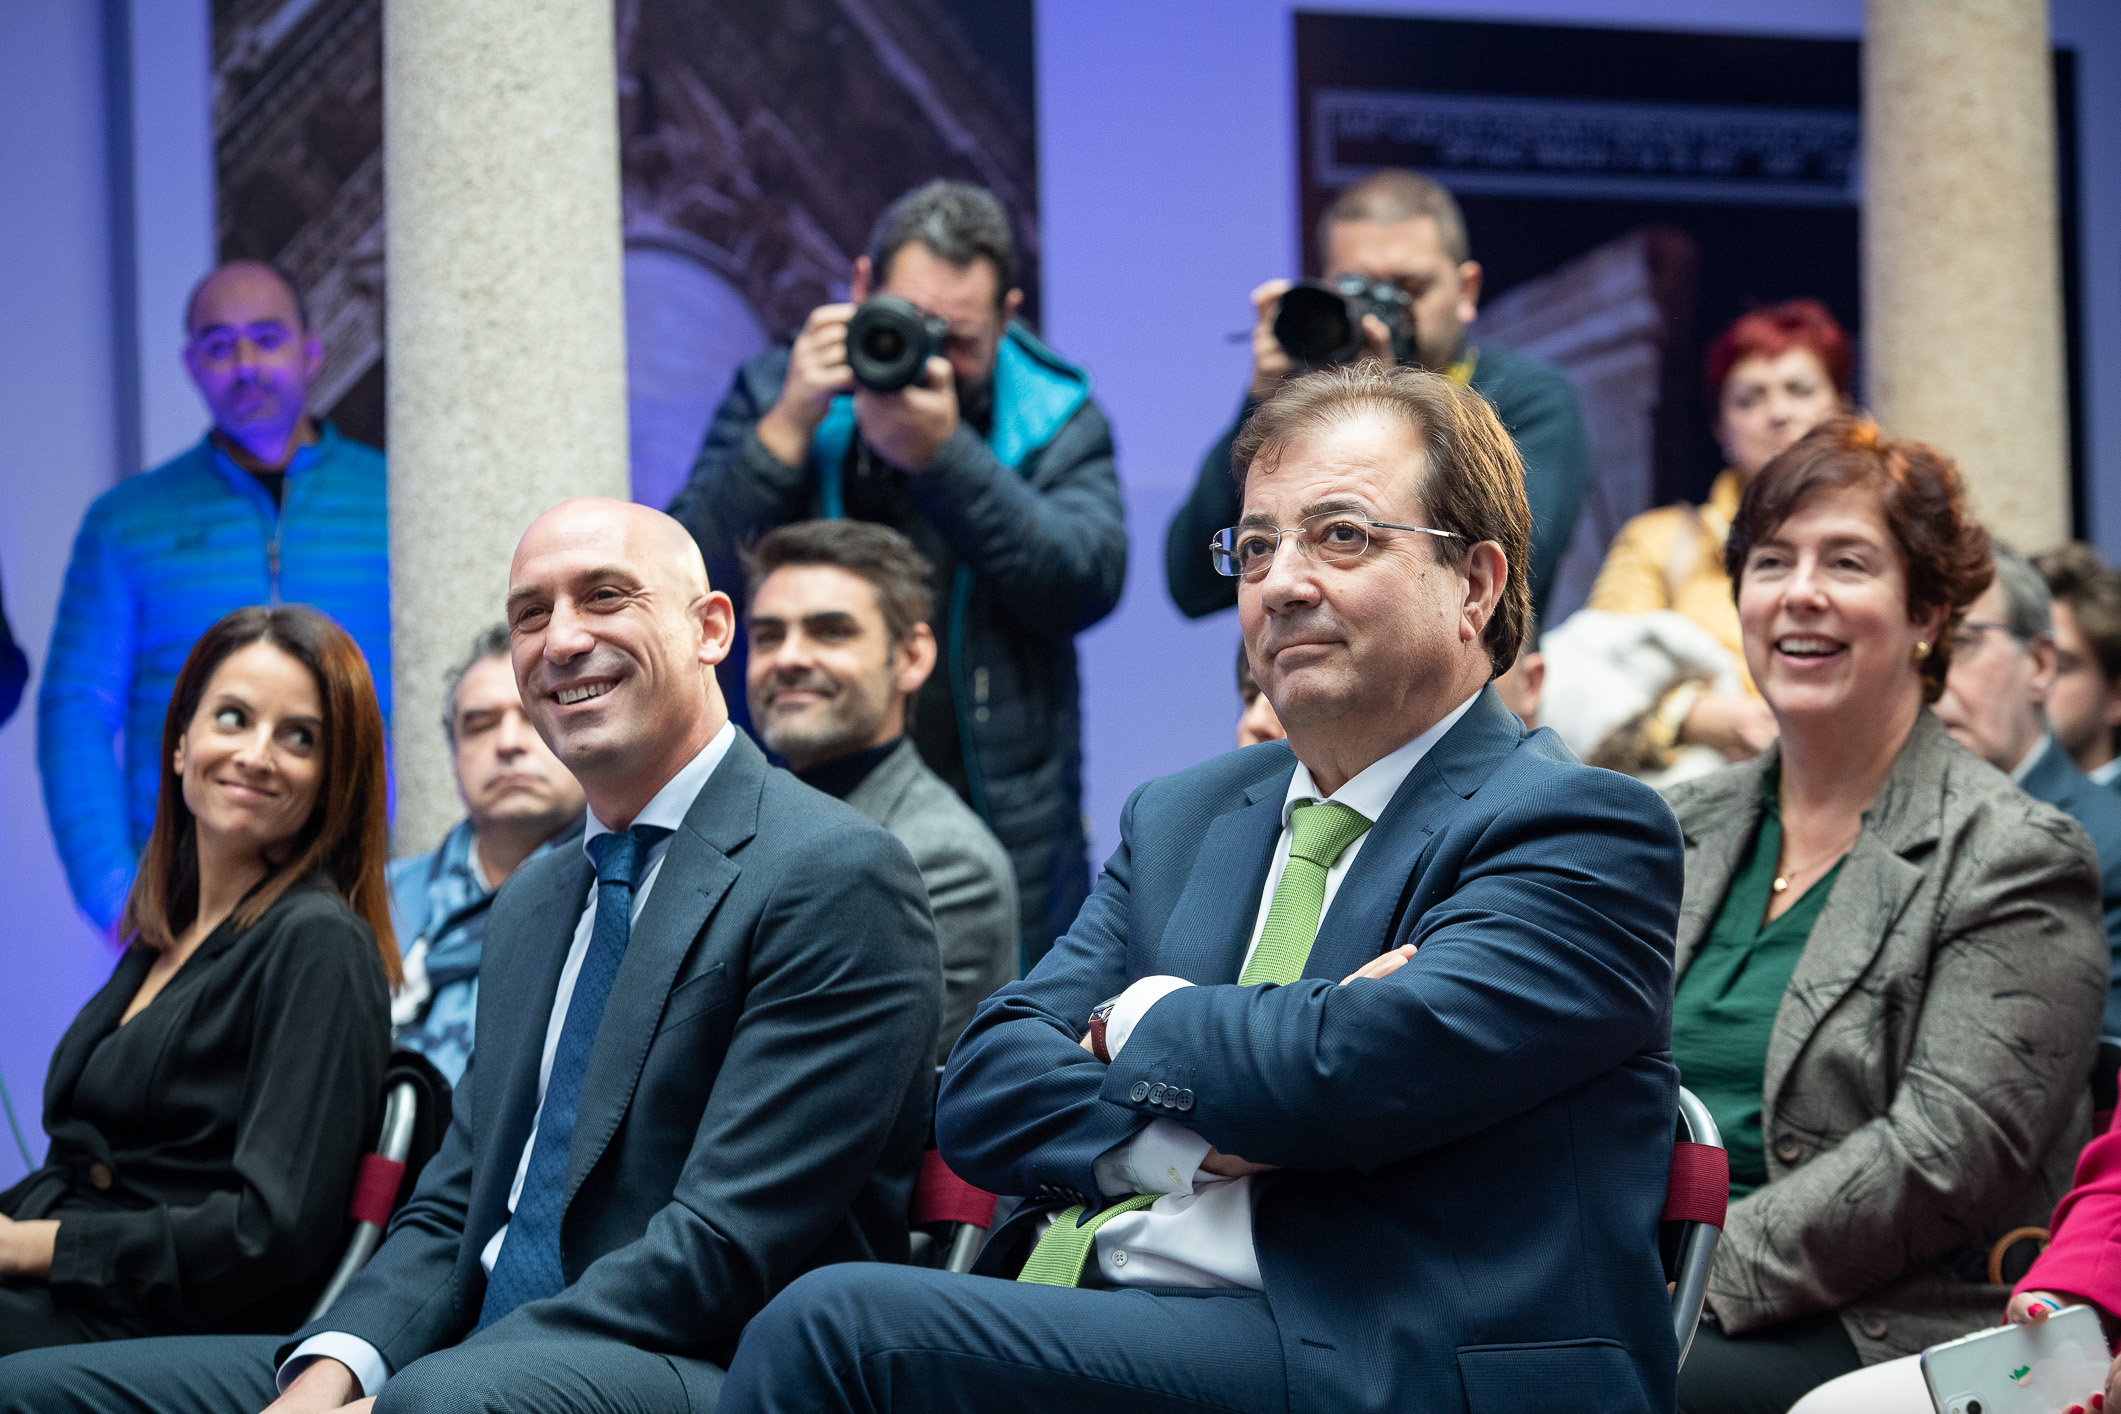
(971, 884)
(1926, 1085)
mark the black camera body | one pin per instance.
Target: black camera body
(889, 343)
(1319, 323)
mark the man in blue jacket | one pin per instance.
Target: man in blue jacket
(1350, 1088)
(270, 507)
(998, 467)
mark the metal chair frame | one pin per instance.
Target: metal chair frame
(400, 1111)
(1697, 1243)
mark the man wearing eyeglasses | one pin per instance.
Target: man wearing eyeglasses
(1995, 703)
(1349, 1089)
(271, 506)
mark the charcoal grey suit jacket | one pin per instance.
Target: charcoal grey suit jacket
(757, 1098)
(971, 884)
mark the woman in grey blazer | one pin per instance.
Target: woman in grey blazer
(1891, 964)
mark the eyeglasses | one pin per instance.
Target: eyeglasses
(1971, 632)
(1246, 552)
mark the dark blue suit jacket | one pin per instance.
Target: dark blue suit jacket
(756, 1102)
(1476, 1148)
(2056, 780)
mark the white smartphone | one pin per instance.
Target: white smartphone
(2033, 1369)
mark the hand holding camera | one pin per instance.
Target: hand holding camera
(817, 373)
(1315, 324)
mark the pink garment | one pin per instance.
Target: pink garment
(2084, 1258)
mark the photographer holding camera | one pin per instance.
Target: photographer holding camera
(922, 405)
(1400, 288)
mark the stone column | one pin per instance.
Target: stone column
(1962, 283)
(505, 326)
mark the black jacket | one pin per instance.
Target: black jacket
(1536, 403)
(756, 1102)
(1025, 558)
(202, 1154)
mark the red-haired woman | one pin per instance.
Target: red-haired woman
(1773, 376)
(1891, 965)
(208, 1107)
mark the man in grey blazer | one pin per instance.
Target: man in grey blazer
(703, 1062)
(840, 646)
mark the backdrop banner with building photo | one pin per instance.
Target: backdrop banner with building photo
(758, 144)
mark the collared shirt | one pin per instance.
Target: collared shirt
(1200, 1232)
(667, 809)
(2104, 775)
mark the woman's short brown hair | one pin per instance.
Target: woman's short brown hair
(345, 836)
(1472, 481)
(1944, 549)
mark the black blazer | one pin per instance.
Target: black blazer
(202, 1154)
(756, 1102)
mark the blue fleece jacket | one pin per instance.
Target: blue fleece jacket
(160, 558)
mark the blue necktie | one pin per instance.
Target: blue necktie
(528, 1268)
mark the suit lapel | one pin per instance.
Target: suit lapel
(1358, 925)
(1719, 824)
(96, 1021)
(515, 1008)
(1205, 938)
(696, 872)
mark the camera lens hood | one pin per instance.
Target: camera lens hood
(1317, 325)
(889, 343)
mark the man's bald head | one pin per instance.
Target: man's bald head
(614, 636)
(256, 284)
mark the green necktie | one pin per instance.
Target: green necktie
(1319, 832)
(1062, 1249)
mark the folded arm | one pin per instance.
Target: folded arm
(1548, 964)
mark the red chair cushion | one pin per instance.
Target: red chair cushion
(1700, 1187)
(940, 1196)
(375, 1193)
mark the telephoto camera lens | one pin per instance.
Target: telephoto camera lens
(889, 343)
(1320, 323)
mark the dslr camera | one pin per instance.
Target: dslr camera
(889, 343)
(1319, 323)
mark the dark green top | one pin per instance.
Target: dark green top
(1725, 1007)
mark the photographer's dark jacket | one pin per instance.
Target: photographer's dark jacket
(1536, 403)
(203, 1152)
(1028, 536)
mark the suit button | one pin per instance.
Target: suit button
(1788, 1149)
(1872, 1325)
(1140, 1092)
(1156, 1094)
(101, 1176)
(1185, 1100)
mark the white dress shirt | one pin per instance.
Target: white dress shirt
(1200, 1232)
(667, 809)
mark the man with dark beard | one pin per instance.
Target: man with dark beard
(840, 644)
(998, 467)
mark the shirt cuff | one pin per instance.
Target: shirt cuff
(1163, 1158)
(1132, 1005)
(354, 1353)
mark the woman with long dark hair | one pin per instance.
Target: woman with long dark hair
(208, 1107)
